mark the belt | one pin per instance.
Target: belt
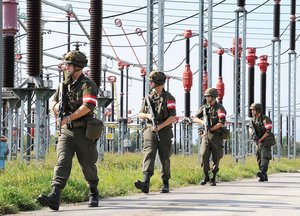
(74, 124)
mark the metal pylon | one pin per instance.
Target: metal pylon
(275, 112)
(292, 105)
(239, 128)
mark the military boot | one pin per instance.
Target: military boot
(266, 177)
(143, 185)
(206, 179)
(261, 176)
(213, 180)
(51, 200)
(93, 197)
(165, 187)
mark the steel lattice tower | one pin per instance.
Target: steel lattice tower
(239, 129)
(292, 85)
(276, 50)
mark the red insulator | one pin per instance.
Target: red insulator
(32, 132)
(187, 33)
(143, 71)
(112, 79)
(220, 51)
(251, 57)
(120, 65)
(239, 47)
(263, 64)
(9, 8)
(187, 78)
(220, 88)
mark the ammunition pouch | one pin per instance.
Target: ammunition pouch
(74, 124)
(225, 132)
(269, 141)
(94, 128)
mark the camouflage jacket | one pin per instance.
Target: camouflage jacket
(163, 106)
(262, 125)
(82, 91)
(216, 114)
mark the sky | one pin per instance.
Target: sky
(259, 35)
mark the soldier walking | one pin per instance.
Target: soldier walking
(157, 136)
(211, 116)
(260, 129)
(79, 100)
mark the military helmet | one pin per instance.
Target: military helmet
(157, 77)
(211, 92)
(256, 106)
(76, 58)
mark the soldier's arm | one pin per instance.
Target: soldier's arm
(171, 107)
(89, 101)
(143, 112)
(222, 119)
(268, 127)
(54, 106)
(198, 117)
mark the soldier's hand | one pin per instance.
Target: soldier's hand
(149, 116)
(55, 108)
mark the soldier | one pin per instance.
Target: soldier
(213, 115)
(157, 138)
(260, 128)
(79, 101)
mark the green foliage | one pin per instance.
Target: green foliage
(22, 182)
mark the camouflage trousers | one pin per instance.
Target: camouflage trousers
(263, 156)
(210, 147)
(73, 141)
(163, 147)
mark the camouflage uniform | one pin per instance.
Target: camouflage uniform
(72, 139)
(262, 125)
(163, 106)
(212, 142)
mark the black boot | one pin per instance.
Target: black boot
(52, 200)
(93, 197)
(165, 187)
(261, 176)
(266, 176)
(143, 185)
(206, 179)
(213, 180)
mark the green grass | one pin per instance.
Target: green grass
(21, 183)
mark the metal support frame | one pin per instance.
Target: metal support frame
(186, 136)
(292, 105)
(38, 99)
(239, 128)
(276, 86)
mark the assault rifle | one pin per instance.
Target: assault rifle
(61, 98)
(254, 135)
(152, 117)
(206, 124)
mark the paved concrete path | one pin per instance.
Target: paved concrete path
(280, 196)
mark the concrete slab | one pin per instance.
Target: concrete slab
(280, 196)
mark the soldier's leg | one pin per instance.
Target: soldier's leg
(165, 151)
(259, 162)
(204, 159)
(266, 156)
(149, 151)
(62, 170)
(217, 154)
(87, 154)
